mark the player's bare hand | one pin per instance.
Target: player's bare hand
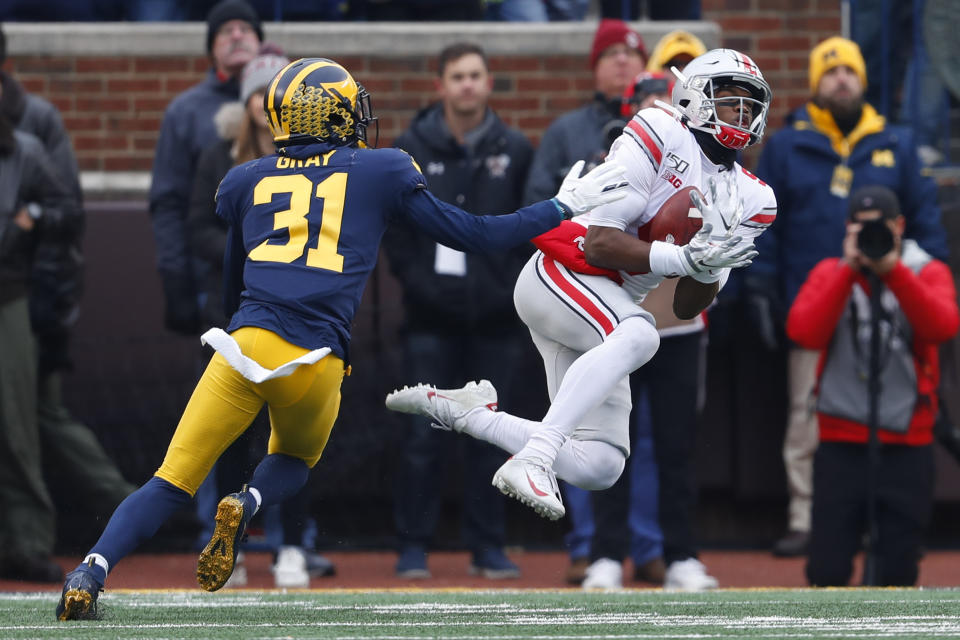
(23, 220)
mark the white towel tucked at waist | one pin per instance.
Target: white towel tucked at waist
(250, 369)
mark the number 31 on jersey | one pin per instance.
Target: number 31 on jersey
(294, 219)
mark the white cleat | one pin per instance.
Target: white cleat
(446, 407)
(688, 575)
(290, 571)
(532, 484)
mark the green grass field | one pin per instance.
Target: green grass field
(499, 615)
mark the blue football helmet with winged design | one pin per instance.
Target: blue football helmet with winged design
(317, 100)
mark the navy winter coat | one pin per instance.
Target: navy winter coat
(799, 162)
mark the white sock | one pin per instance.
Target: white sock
(256, 496)
(586, 383)
(594, 374)
(98, 560)
(505, 430)
(544, 445)
(589, 464)
(515, 435)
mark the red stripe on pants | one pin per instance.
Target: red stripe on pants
(576, 295)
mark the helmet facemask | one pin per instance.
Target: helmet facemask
(364, 116)
(694, 96)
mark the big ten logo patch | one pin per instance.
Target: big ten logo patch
(674, 167)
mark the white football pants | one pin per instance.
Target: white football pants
(591, 336)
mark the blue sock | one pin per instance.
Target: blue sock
(279, 477)
(138, 517)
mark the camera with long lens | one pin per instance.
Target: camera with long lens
(875, 239)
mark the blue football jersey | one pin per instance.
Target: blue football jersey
(305, 230)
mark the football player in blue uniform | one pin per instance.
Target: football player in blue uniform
(305, 228)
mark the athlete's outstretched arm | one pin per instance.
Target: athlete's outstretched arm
(458, 229)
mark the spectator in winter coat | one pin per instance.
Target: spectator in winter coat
(873, 469)
(71, 451)
(233, 39)
(459, 316)
(616, 57)
(34, 203)
(832, 145)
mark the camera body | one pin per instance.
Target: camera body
(649, 87)
(875, 239)
(646, 84)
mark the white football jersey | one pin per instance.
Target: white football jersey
(661, 157)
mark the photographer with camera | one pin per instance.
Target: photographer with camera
(830, 146)
(877, 316)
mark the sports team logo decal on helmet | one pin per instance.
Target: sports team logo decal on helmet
(316, 100)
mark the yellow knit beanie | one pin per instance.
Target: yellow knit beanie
(834, 52)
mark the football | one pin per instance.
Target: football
(676, 222)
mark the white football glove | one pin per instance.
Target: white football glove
(726, 210)
(602, 185)
(705, 257)
(706, 253)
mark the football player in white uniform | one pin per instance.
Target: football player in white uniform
(580, 294)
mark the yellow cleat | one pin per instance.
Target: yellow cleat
(219, 557)
(78, 601)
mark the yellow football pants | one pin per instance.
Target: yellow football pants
(303, 407)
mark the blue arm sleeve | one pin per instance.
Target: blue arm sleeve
(460, 230)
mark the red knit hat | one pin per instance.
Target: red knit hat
(611, 32)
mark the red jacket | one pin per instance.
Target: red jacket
(927, 298)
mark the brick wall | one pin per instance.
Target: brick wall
(778, 35)
(113, 102)
(112, 106)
